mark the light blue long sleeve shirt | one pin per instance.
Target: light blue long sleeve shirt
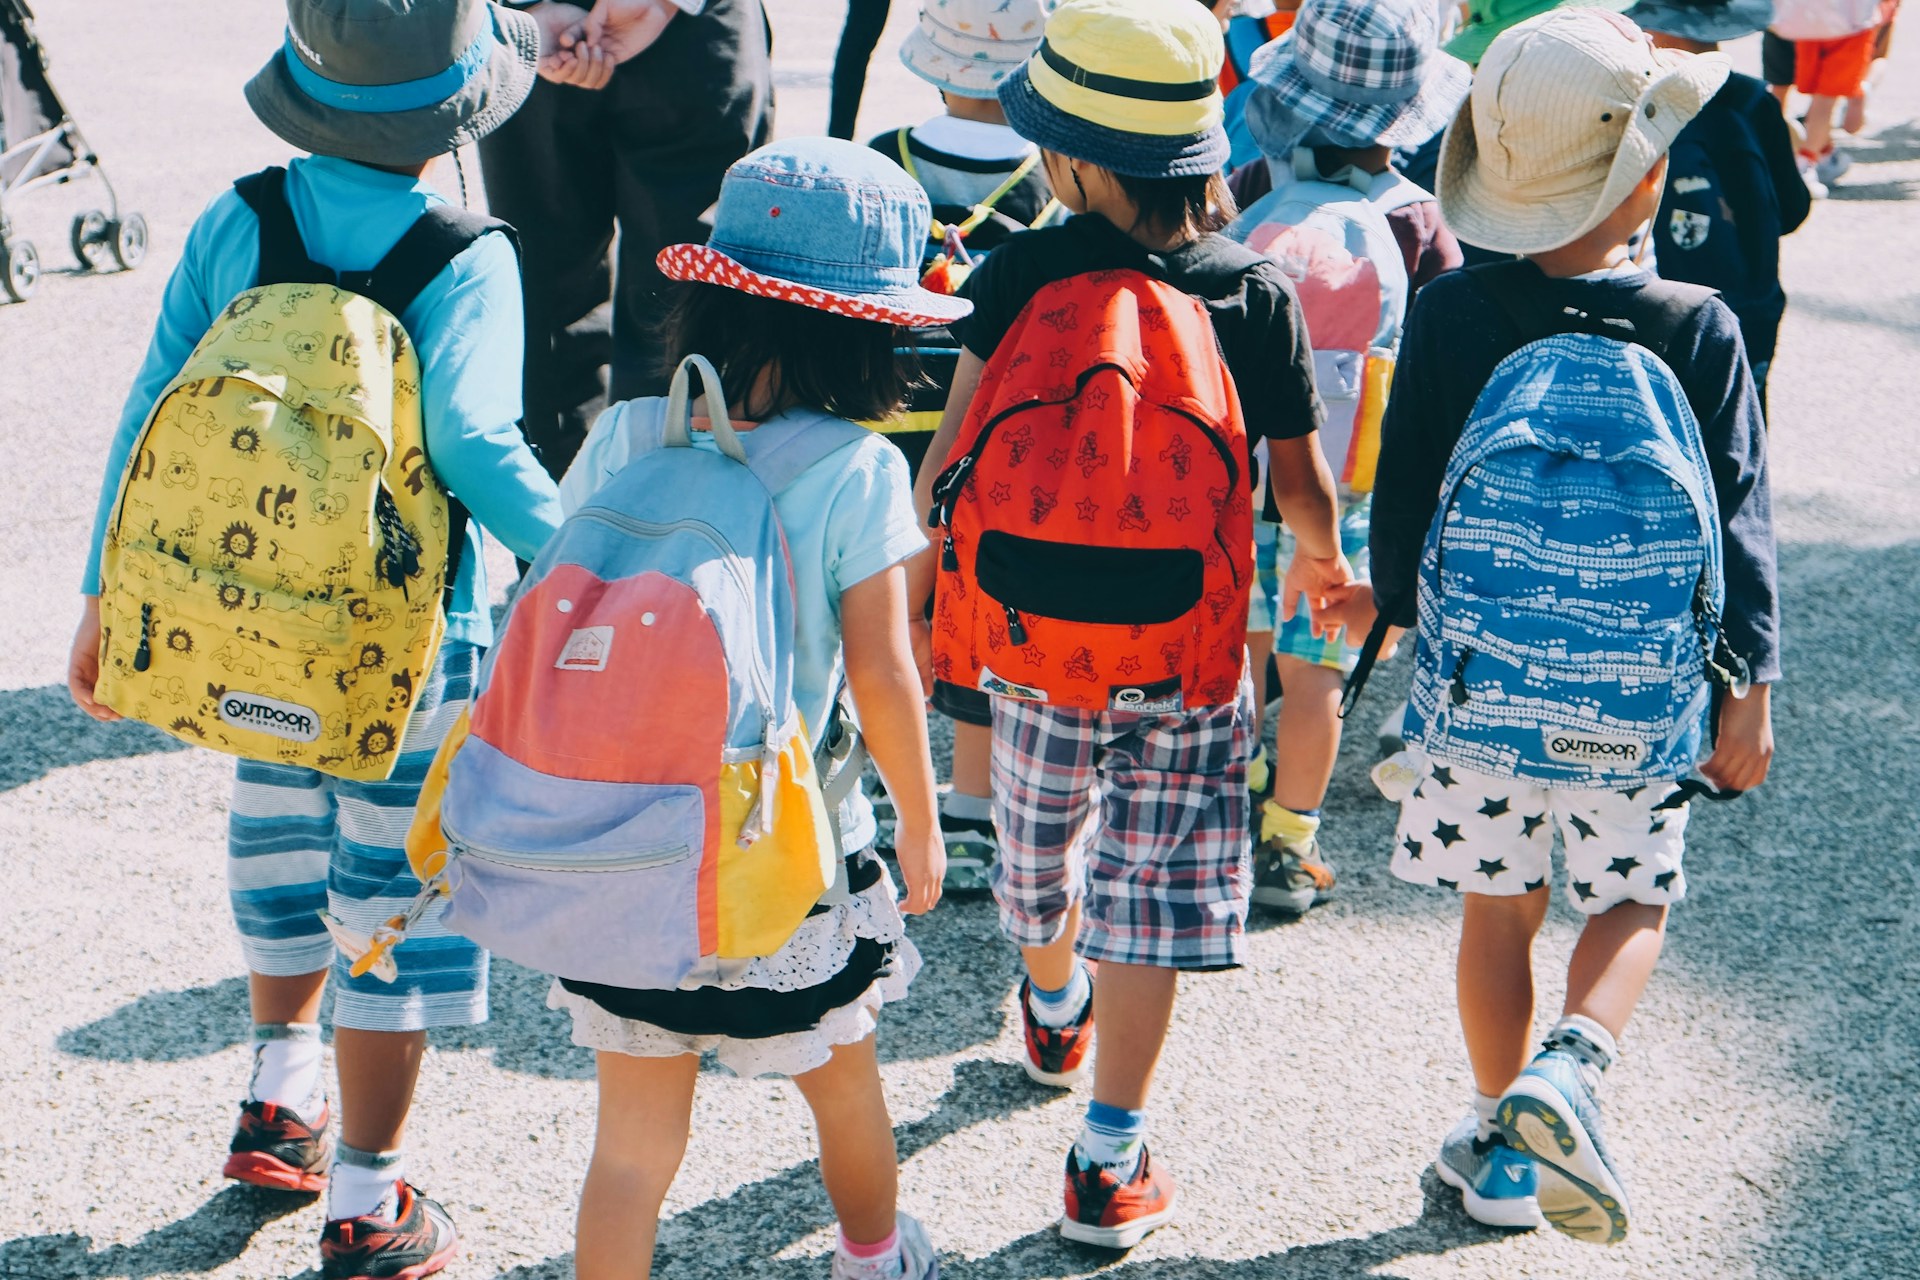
(466, 325)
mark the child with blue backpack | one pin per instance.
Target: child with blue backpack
(1594, 587)
(1352, 80)
(797, 299)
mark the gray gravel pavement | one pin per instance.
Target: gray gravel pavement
(1765, 1107)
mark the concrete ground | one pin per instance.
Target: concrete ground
(1764, 1109)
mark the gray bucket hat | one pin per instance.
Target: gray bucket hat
(395, 82)
(1708, 21)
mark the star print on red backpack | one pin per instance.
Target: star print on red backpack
(1096, 508)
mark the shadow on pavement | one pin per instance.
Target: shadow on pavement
(1888, 146)
(165, 1026)
(211, 1236)
(44, 731)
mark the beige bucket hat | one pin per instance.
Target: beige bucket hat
(1568, 111)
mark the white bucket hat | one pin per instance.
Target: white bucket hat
(967, 47)
(1568, 111)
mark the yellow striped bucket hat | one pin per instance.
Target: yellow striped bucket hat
(1129, 85)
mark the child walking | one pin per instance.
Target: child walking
(1359, 239)
(985, 183)
(797, 299)
(301, 842)
(1123, 823)
(1564, 687)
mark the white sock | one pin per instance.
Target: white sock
(1483, 1108)
(965, 808)
(881, 1260)
(286, 1067)
(362, 1183)
(1586, 1040)
(1059, 1008)
(1112, 1138)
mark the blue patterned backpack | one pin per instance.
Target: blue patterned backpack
(1571, 584)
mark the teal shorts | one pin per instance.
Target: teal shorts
(1272, 550)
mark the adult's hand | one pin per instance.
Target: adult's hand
(624, 29)
(566, 57)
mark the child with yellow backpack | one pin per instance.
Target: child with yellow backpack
(276, 570)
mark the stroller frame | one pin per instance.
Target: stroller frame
(49, 156)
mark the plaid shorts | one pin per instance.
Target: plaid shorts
(1272, 550)
(300, 841)
(1140, 818)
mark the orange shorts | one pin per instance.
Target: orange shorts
(1834, 68)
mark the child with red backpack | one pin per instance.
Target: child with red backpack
(1094, 521)
(1354, 80)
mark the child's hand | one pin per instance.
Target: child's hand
(1324, 582)
(83, 664)
(624, 29)
(1743, 752)
(923, 864)
(1354, 613)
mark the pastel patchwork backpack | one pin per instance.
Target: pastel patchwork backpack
(274, 568)
(1097, 511)
(636, 793)
(1333, 240)
(1571, 584)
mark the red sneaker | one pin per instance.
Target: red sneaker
(274, 1147)
(1056, 1056)
(419, 1241)
(1102, 1210)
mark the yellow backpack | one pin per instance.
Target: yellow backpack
(275, 566)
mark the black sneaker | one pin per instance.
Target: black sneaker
(418, 1241)
(274, 1147)
(972, 849)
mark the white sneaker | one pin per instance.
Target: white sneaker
(1809, 174)
(917, 1258)
(1831, 165)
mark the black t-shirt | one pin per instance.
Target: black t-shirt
(1252, 304)
(1453, 340)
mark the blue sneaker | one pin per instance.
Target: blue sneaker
(1550, 1114)
(1496, 1183)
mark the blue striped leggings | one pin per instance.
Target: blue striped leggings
(299, 841)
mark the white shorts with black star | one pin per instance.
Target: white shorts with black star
(1474, 833)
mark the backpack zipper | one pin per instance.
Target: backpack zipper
(143, 655)
(1016, 629)
(659, 855)
(1457, 686)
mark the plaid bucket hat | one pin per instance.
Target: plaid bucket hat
(967, 47)
(1130, 85)
(1358, 73)
(395, 82)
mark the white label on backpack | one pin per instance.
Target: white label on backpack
(270, 716)
(587, 650)
(995, 686)
(1595, 750)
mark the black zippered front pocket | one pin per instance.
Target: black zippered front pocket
(1118, 586)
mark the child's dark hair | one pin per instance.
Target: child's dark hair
(1193, 205)
(848, 367)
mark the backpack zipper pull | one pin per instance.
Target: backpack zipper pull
(1016, 629)
(949, 558)
(1458, 693)
(143, 655)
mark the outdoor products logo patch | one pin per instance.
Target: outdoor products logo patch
(1595, 750)
(587, 650)
(1158, 698)
(270, 716)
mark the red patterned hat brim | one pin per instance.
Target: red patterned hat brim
(913, 308)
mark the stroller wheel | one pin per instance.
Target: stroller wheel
(89, 234)
(23, 271)
(129, 241)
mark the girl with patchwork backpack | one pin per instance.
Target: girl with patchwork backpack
(654, 799)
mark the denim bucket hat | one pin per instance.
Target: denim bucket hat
(1360, 73)
(1707, 22)
(825, 224)
(395, 82)
(1130, 85)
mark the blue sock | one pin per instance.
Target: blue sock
(1112, 1139)
(1059, 1008)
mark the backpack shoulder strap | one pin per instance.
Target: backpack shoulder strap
(283, 254)
(435, 239)
(1652, 317)
(783, 454)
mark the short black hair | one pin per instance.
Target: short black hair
(1195, 205)
(848, 367)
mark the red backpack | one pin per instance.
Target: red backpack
(1097, 511)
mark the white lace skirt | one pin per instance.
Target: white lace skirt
(818, 950)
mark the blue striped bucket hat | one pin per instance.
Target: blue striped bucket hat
(1355, 73)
